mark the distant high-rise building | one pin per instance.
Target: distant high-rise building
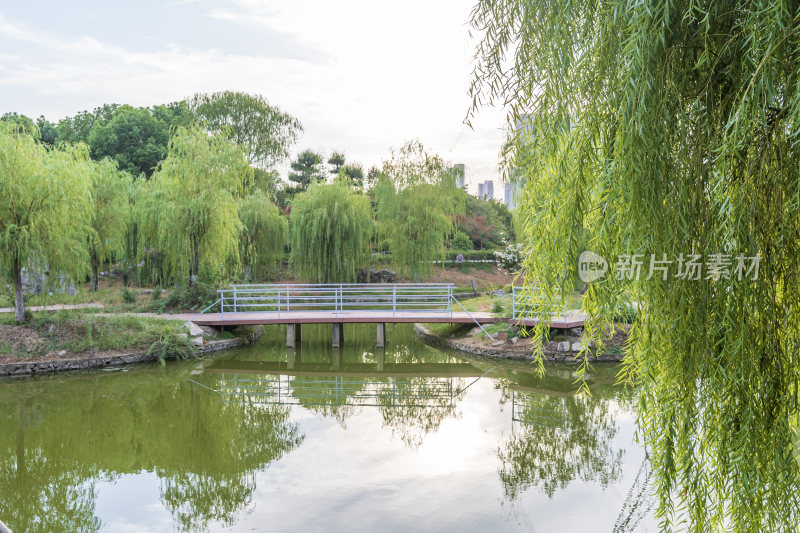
(486, 190)
(459, 168)
(511, 194)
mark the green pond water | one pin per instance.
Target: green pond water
(410, 438)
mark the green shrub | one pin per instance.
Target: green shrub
(626, 314)
(497, 307)
(510, 258)
(171, 347)
(128, 296)
(461, 241)
(156, 294)
(192, 297)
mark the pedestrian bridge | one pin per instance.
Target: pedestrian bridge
(338, 304)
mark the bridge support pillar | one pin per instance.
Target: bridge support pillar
(381, 335)
(338, 335)
(292, 335)
(381, 359)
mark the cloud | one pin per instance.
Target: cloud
(362, 76)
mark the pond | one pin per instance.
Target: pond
(316, 439)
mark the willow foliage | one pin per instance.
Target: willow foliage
(416, 220)
(110, 214)
(190, 210)
(45, 198)
(264, 234)
(330, 226)
(669, 128)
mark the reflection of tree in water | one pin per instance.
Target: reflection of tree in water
(206, 452)
(414, 407)
(328, 396)
(217, 476)
(539, 455)
(197, 499)
(39, 493)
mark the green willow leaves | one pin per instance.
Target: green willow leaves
(110, 216)
(670, 128)
(190, 209)
(264, 235)
(331, 226)
(45, 197)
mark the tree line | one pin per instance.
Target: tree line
(188, 191)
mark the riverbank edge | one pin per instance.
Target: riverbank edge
(506, 352)
(28, 368)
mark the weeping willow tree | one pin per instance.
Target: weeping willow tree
(416, 220)
(331, 226)
(417, 201)
(669, 130)
(190, 210)
(45, 198)
(110, 214)
(264, 234)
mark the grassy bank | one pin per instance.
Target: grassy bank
(76, 332)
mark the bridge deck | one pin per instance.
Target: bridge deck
(340, 317)
(569, 320)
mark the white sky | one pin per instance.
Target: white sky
(362, 76)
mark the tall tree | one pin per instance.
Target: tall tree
(354, 174)
(416, 220)
(264, 234)
(133, 138)
(371, 178)
(173, 114)
(109, 216)
(413, 164)
(21, 122)
(48, 134)
(265, 132)
(670, 129)
(190, 209)
(331, 226)
(44, 200)
(336, 161)
(77, 128)
(307, 169)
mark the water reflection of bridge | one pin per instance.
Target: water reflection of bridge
(539, 410)
(337, 390)
(333, 383)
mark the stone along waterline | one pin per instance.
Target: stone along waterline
(352, 439)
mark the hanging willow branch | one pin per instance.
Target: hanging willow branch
(667, 128)
(330, 226)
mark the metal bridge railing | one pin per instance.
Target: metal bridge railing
(387, 391)
(425, 298)
(539, 410)
(523, 303)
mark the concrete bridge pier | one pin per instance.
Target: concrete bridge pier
(292, 335)
(338, 335)
(381, 343)
(381, 355)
